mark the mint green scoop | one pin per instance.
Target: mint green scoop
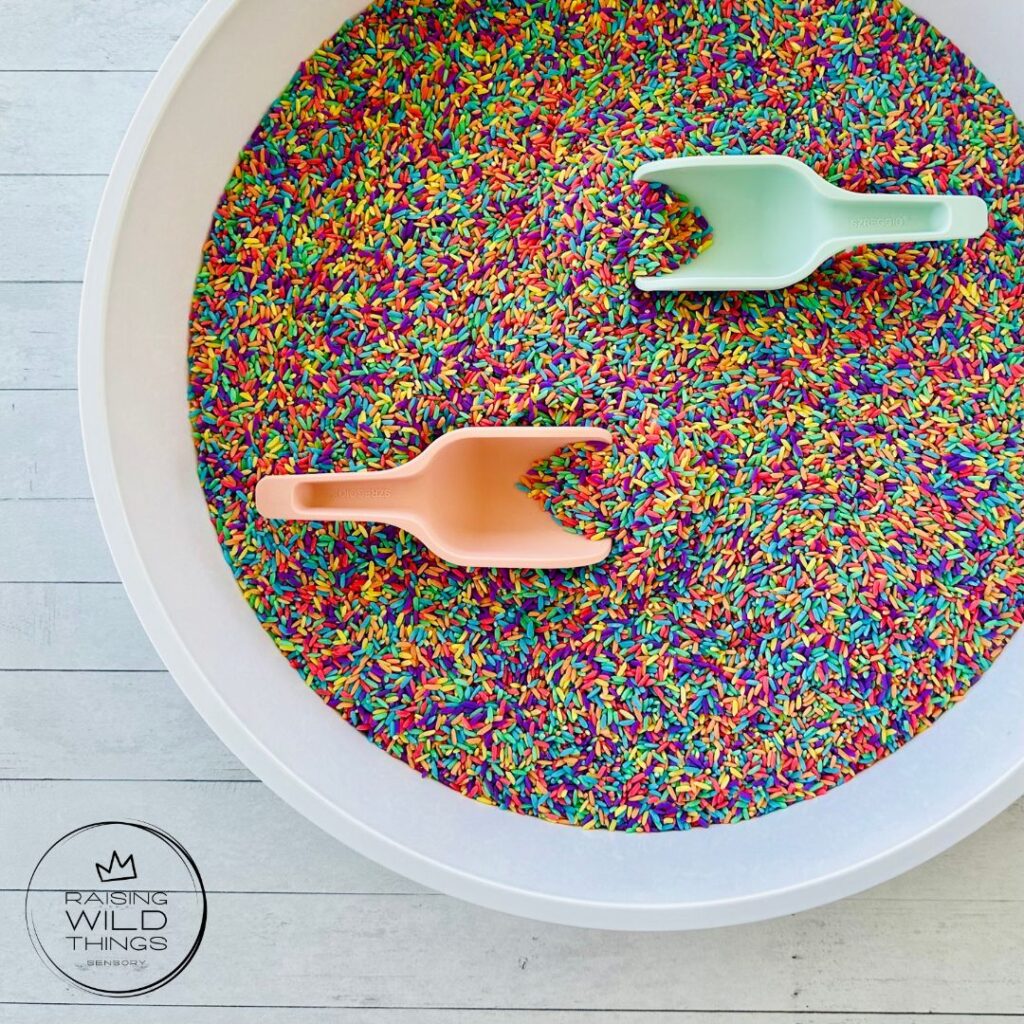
(775, 221)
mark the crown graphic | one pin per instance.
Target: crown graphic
(117, 870)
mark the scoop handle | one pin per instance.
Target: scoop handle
(862, 219)
(368, 497)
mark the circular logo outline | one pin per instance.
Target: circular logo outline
(182, 855)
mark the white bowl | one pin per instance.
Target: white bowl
(231, 63)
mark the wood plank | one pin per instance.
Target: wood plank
(163, 1014)
(38, 335)
(243, 838)
(158, 734)
(433, 951)
(54, 542)
(46, 223)
(87, 113)
(106, 34)
(71, 626)
(42, 455)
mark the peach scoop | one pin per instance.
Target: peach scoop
(458, 497)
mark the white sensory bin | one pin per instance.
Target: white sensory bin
(228, 67)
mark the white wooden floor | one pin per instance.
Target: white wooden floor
(91, 725)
